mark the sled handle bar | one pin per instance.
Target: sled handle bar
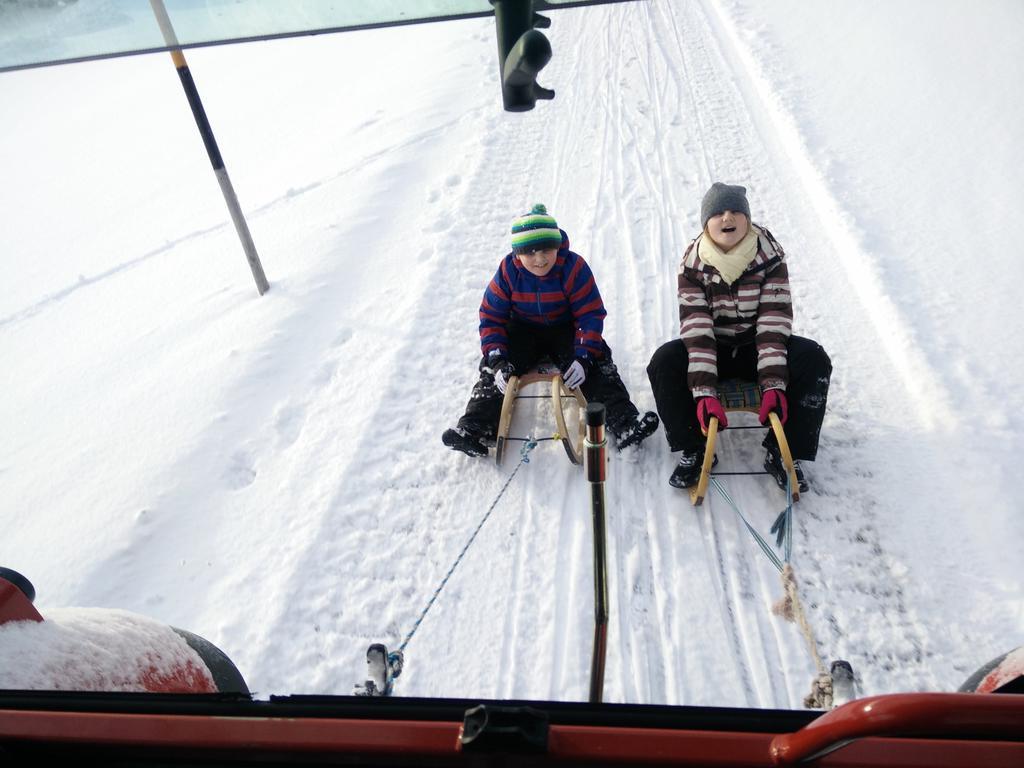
(953, 715)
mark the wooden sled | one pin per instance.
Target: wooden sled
(738, 395)
(571, 438)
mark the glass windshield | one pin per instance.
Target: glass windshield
(41, 32)
(35, 33)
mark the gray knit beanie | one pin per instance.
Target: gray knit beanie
(721, 198)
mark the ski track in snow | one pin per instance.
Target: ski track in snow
(880, 668)
(634, 107)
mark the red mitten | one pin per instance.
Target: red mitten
(773, 400)
(708, 407)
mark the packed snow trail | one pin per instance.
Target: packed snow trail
(719, 598)
(616, 168)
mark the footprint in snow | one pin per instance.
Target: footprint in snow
(343, 336)
(288, 421)
(439, 224)
(240, 473)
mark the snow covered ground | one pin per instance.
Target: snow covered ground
(268, 472)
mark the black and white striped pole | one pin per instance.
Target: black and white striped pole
(241, 227)
(594, 447)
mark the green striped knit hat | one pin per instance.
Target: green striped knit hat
(536, 229)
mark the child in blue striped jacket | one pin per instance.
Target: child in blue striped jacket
(543, 301)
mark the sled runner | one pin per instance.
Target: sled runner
(739, 395)
(571, 437)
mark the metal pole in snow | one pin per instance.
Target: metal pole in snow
(211, 145)
(594, 448)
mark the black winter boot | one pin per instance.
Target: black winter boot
(774, 466)
(636, 431)
(687, 471)
(458, 439)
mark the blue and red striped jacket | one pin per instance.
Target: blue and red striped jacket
(566, 294)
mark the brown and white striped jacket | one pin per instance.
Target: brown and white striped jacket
(756, 309)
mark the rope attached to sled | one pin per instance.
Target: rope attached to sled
(524, 453)
(789, 606)
(387, 665)
(791, 609)
(765, 547)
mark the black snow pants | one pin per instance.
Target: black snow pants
(528, 345)
(810, 370)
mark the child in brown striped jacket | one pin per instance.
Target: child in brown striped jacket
(735, 321)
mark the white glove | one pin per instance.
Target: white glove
(574, 375)
(500, 381)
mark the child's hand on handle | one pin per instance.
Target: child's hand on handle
(502, 370)
(773, 400)
(708, 407)
(575, 374)
(501, 378)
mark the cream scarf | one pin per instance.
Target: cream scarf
(730, 264)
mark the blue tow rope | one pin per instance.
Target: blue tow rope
(782, 527)
(524, 453)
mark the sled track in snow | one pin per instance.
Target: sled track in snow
(712, 93)
(713, 117)
(839, 634)
(651, 97)
(688, 86)
(721, 576)
(637, 625)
